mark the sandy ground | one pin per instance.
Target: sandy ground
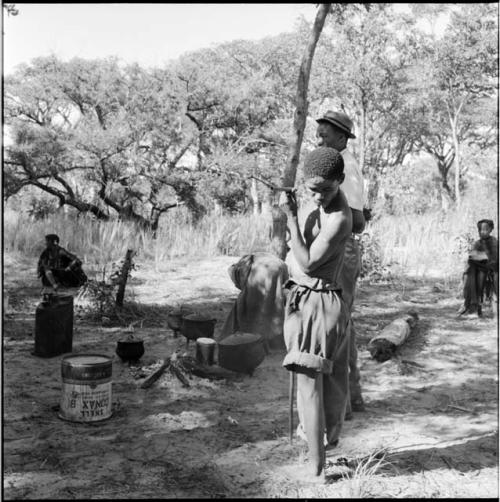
(431, 411)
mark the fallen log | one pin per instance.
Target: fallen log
(383, 346)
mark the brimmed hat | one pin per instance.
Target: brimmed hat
(340, 120)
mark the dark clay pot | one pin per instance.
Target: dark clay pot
(241, 352)
(174, 319)
(130, 350)
(194, 326)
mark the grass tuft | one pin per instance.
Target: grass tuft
(427, 245)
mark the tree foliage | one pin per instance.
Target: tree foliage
(452, 103)
(120, 140)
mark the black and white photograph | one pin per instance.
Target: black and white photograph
(250, 251)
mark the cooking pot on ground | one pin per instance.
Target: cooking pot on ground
(174, 319)
(241, 352)
(194, 326)
(130, 349)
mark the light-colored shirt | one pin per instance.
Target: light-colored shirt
(353, 185)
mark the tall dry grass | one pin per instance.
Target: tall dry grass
(433, 244)
(100, 244)
(427, 245)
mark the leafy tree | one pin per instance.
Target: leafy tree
(238, 96)
(11, 9)
(98, 136)
(455, 92)
(361, 67)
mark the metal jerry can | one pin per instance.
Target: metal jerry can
(54, 325)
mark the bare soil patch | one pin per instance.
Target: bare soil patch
(430, 428)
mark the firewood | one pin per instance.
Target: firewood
(175, 370)
(151, 379)
(212, 372)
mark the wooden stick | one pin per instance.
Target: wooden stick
(460, 409)
(151, 379)
(123, 278)
(274, 187)
(278, 236)
(412, 363)
(178, 373)
(291, 392)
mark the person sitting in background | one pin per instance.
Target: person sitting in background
(481, 275)
(58, 267)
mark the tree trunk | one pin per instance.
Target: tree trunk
(278, 241)
(155, 221)
(453, 117)
(218, 209)
(457, 163)
(254, 194)
(373, 189)
(445, 199)
(266, 207)
(362, 135)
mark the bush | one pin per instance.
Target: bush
(42, 208)
(372, 264)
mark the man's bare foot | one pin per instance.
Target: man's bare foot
(358, 404)
(302, 435)
(305, 474)
(330, 445)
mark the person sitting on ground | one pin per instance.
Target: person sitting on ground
(481, 275)
(58, 267)
(316, 327)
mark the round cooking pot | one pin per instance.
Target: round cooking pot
(130, 349)
(174, 319)
(241, 352)
(194, 326)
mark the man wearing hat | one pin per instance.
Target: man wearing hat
(334, 130)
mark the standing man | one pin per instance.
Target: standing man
(334, 130)
(316, 327)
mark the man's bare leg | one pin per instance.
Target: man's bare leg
(355, 401)
(336, 391)
(310, 400)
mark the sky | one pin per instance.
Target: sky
(149, 34)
